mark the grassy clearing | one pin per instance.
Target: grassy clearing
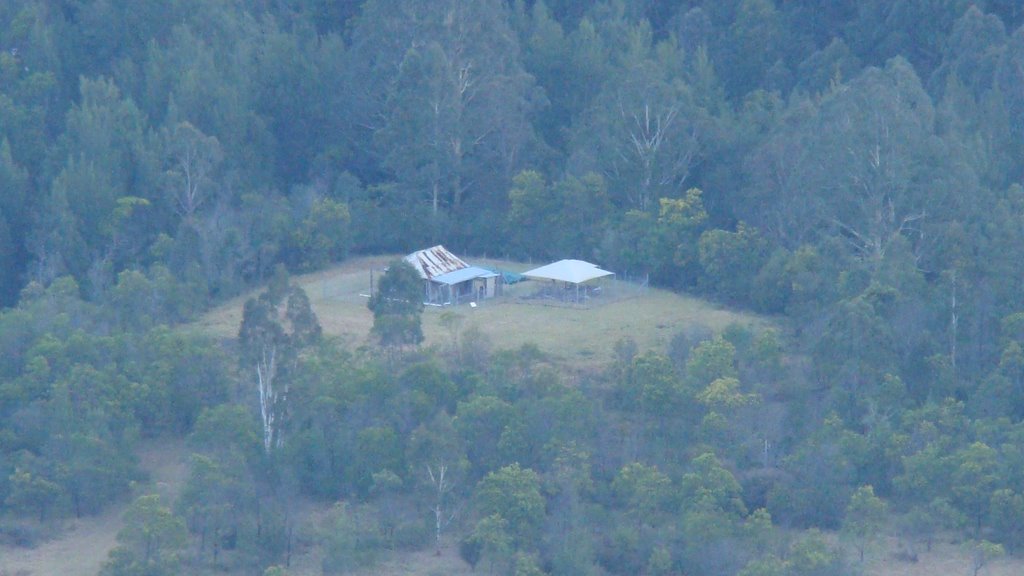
(82, 544)
(577, 335)
(946, 557)
(422, 563)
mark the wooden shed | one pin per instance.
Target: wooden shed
(447, 279)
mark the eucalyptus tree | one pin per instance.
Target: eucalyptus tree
(270, 352)
(151, 541)
(397, 306)
(191, 160)
(644, 132)
(102, 158)
(444, 99)
(14, 180)
(869, 170)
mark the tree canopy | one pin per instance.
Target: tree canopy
(853, 171)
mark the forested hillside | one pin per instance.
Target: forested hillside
(853, 170)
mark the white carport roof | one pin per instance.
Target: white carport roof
(572, 271)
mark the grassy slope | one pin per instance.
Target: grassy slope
(82, 546)
(574, 335)
(945, 558)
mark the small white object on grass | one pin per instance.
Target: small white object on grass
(472, 304)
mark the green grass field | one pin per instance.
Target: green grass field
(579, 335)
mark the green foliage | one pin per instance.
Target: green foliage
(226, 429)
(191, 160)
(982, 553)
(412, 536)
(31, 492)
(724, 395)
(820, 479)
(397, 306)
(653, 387)
(664, 244)
(864, 519)
(644, 490)
(709, 361)
(730, 261)
(442, 134)
(565, 217)
(217, 501)
(924, 522)
(270, 353)
(480, 421)
(851, 168)
(491, 541)
(710, 487)
(770, 566)
(1006, 512)
(150, 542)
(973, 480)
(349, 541)
(812, 556)
(511, 496)
(527, 565)
(378, 449)
(325, 234)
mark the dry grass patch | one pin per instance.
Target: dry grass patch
(945, 558)
(422, 563)
(82, 546)
(579, 335)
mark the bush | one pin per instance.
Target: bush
(470, 550)
(21, 534)
(412, 536)
(349, 542)
(684, 341)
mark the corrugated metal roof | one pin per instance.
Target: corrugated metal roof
(434, 262)
(459, 276)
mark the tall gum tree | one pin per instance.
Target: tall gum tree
(644, 131)
(449, 112)
(870, 171)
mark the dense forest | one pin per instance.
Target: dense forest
(852, 170)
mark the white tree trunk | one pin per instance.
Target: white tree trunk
(442, 486)
(266, 370)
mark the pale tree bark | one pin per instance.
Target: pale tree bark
(459, 91)
(658, 148)
(193, 157)
(877, 177)
(441, 486)
(270, 398)
(647, 135)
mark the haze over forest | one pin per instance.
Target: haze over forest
(846, 175)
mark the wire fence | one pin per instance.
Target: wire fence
(357, 283)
